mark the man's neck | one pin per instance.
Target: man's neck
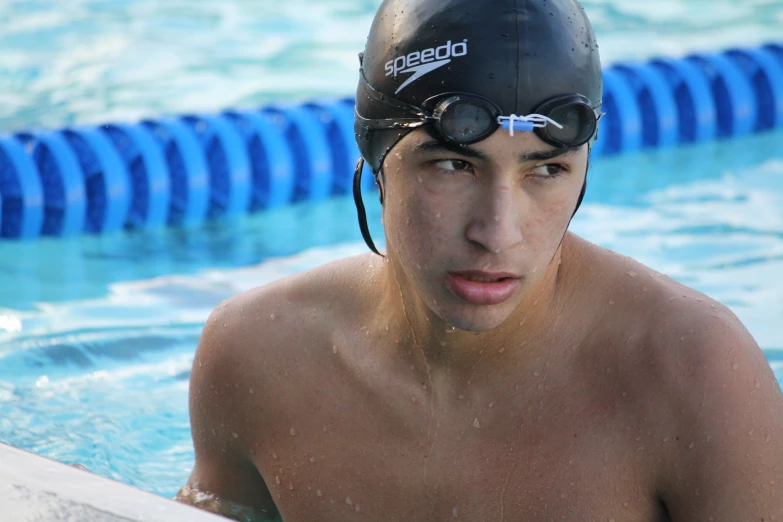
(442, 348)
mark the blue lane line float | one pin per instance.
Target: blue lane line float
(656, 102)
(149, 175)
(21, 193)
(337, 120)
(228, 165)
(62, 180)
(106, 179)
(734, 98)
(188, 169)
(308, 142)
(621, 128)
(765, 73)
(697, 117)
(272, 164)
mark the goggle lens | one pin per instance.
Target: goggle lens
(466, 122)
(578, 121)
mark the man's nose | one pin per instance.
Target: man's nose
(495, 224)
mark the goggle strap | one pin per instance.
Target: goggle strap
(362, 214)
(388, 100)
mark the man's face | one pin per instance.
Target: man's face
(474, 228)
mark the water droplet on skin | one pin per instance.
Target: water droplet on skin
(476, 423)
(455, 512)
(420, 180)
(497, 219)
(348, 501)
(758, 385)
(536, 373)
(491, 404)
(334, 349)
(319, 493)
(292, 431)
(312, 459)
(625, 504)
(611, 302)
(235, 435)
(277, 480)
(735, 366)
(691, 445)
(501, 350)
(632, 274)
(357, 507)
(461, 397)
(291, 486)
(437, 215)
(274, 455)
(272, 317)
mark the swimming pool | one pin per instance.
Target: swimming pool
(97, 333)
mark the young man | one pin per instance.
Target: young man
(491, 366)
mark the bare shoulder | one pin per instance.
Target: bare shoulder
(249, 346)
(270, 324)
(701, 388)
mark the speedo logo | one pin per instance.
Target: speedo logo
(424, 62)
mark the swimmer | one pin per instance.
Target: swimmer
(489, 364)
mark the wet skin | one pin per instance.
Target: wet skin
(588, 387)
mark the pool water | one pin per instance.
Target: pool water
(97, 333)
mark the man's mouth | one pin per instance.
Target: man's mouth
(482, 288)
(481, 279)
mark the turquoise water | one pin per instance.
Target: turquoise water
(97, 333)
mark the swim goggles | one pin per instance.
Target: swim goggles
(564, 122)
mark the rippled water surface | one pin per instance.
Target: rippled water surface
(97, 333)
(115, 59)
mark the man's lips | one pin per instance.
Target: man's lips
(483, 288)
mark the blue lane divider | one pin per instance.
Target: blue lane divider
(188, 169)
(622, 125)
(107, 181)
(655, 99)
(272, 161)
(150, 185)
(765, 73)
(228, 162)
(21, 193)
(736, 105)
(62, 180)
(693, 96)
(310, 147)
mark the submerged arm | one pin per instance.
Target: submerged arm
(224, 479)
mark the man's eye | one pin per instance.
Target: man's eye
(453, 166)
(550, 171)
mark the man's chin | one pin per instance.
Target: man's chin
(476, 321)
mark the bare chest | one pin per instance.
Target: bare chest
(351, 462)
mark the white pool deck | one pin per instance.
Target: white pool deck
(36, 489)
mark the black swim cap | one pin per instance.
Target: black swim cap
(515, 53)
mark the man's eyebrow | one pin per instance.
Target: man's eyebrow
(543, 155)
(444, 146)
(433, 146)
